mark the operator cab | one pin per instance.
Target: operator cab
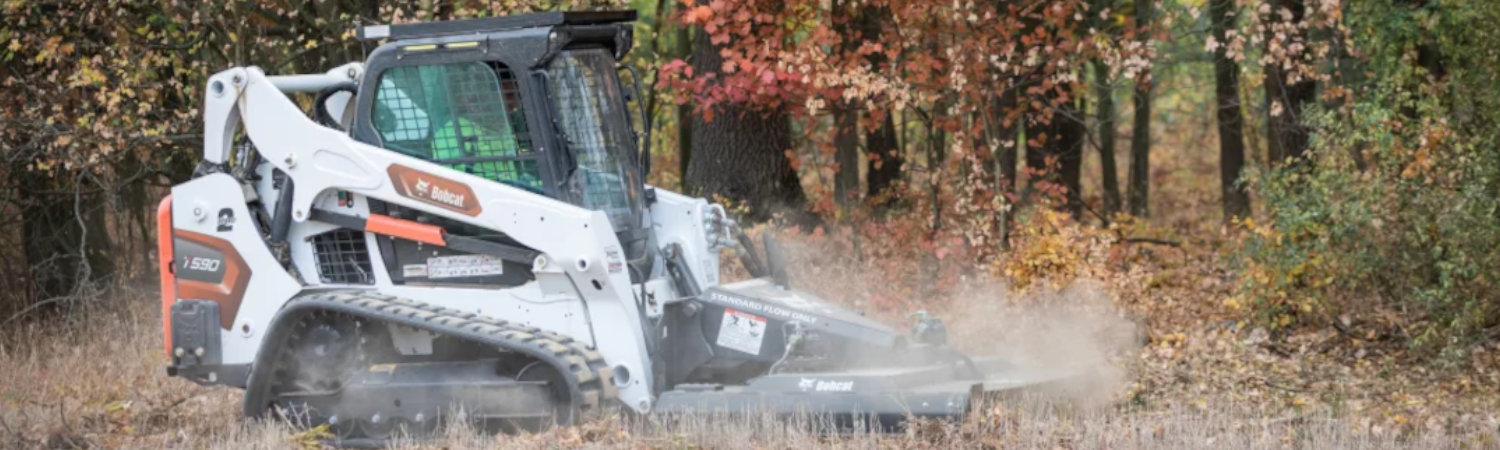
(531, 101)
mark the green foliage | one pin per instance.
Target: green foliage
(1394, 219)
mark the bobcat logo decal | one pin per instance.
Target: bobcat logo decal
(434, 190)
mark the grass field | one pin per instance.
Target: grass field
(97, 381)
(1172, 365)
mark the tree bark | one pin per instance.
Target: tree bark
(1006, 159)
(937, 147)
(882, 151)
(741, 154)
(1105, 112)
(1058, 158)
(1138, 190)
(1236, 200)
(684, 144)
(846, 154)
(1287, 137)
(1070, 129)
(846, 186)
(684, 49)
(883, 155)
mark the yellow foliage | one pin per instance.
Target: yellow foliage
(1051, 247)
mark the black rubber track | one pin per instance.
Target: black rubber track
(587, 375)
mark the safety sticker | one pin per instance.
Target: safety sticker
(742, 331)
(462, 266)
(616, 262)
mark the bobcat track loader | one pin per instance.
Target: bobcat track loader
(460, 229)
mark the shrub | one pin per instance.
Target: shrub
(1393, 218)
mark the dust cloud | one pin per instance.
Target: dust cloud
(1075, 330)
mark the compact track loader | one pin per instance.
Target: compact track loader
(459, 229)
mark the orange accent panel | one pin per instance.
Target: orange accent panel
(405, 229)
(230, 291)
(168, 279)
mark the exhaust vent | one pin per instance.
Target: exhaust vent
(343, 257)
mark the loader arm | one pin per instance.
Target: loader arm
(580, 254)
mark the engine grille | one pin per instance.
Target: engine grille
(343, 257)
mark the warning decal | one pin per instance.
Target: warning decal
(460, 266)
(742, 331)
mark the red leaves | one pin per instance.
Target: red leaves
(947, 61)
(697, 15)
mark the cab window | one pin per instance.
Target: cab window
(466, 116)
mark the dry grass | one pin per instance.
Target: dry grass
(98, 382)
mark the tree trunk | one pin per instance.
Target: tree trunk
(937, 147)
(741, 154)
(884, 158)
(846, 154)
(684, 111)
(684, 144)
(1137, 192)
(882, 151)
(1231, 124)
(1287, 137)
(1006, 160)
(1104, 91)
(846, 186)
(1070, 130)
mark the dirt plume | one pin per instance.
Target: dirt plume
(1075, 329)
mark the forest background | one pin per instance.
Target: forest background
(1293, 201)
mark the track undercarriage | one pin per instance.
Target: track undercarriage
(336, 365)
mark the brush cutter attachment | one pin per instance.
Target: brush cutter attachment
(760, 348)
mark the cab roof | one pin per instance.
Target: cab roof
(491, 24)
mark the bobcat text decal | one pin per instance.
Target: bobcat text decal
(815, 385)
(435, 190)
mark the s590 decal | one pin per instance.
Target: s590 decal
(209, 268)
